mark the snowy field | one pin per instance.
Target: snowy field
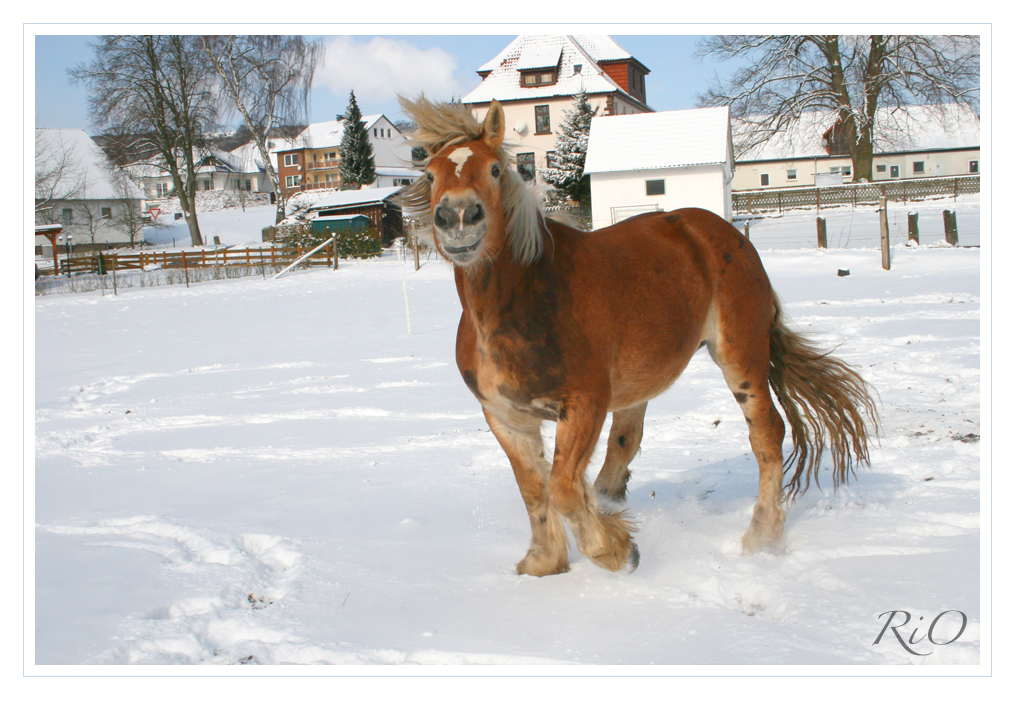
(264, 472)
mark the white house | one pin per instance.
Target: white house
(77, 188)
(920, 141)
(660, 161)
(536, 79)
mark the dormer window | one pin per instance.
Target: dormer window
(537, 78)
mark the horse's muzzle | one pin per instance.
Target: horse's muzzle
(460, 224)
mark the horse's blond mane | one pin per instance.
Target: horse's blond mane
(439, 125)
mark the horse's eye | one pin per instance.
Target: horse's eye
(430, 177)
(495, 170)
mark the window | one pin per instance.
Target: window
(162, 189)
(292, 181)
(389, 133)
(207, 184)
(550, 159)
(655, 187)
(246, 184)
(880, 169)
(918, 167)
(106, 212)
(972, 167)
(841, 169)
(67, 216)
(526, 163)
(535, 79)
(375, 133)
(236, 183)
(290, 159)
(791, 175)
(543, 119)
(764, 179)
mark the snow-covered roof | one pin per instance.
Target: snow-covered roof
(543, 51)
(398, 172)
(915, 128)
(325, 134)
(88, 164)
(658, 140)
(340, 217)
(346, 198)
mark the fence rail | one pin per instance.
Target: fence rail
(99, 262)
(756, 201)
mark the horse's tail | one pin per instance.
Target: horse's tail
(825, 401)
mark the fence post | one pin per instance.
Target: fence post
(822, 241)
(951, 233)
(747, 230)
(883, 223)
(912, 233)
(186, 275)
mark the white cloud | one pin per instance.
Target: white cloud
(379, 68)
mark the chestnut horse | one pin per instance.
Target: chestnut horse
(566, 326)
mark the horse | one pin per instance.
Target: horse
(563, 325)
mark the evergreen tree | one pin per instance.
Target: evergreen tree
(356, 159)
(566, 170)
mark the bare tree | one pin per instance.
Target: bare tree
(152, 94)
(127, 215)
(267, 80)
(852, 76)
(59, 174)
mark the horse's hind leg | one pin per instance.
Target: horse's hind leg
(745, 366)
(548, 550)
(623, 445)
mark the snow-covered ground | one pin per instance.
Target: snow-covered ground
(275, 471)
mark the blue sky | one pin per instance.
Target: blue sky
(440, 65)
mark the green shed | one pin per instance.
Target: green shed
(340, 224)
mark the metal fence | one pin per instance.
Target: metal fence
(853, 194)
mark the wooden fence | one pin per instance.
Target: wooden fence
(99, 262)
(752, 201)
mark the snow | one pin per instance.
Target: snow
(259, 471)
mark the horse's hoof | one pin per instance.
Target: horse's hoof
(633, 559)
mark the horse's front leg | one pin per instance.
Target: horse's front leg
(604, 538)
(523, 444)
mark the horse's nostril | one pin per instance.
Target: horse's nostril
(473, 214)
(444, 217)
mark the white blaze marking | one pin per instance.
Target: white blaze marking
(459, 157)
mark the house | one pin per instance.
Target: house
(660, 161)
(78, 188)
(377, 204)
(242, 168)
(312, 161)
(536, 79)
(916, 142)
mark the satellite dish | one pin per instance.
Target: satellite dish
(520, 126)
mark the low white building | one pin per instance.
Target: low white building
(920, 141)
(77, 188)
(660, 161)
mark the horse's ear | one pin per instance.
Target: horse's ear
(493, 125)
